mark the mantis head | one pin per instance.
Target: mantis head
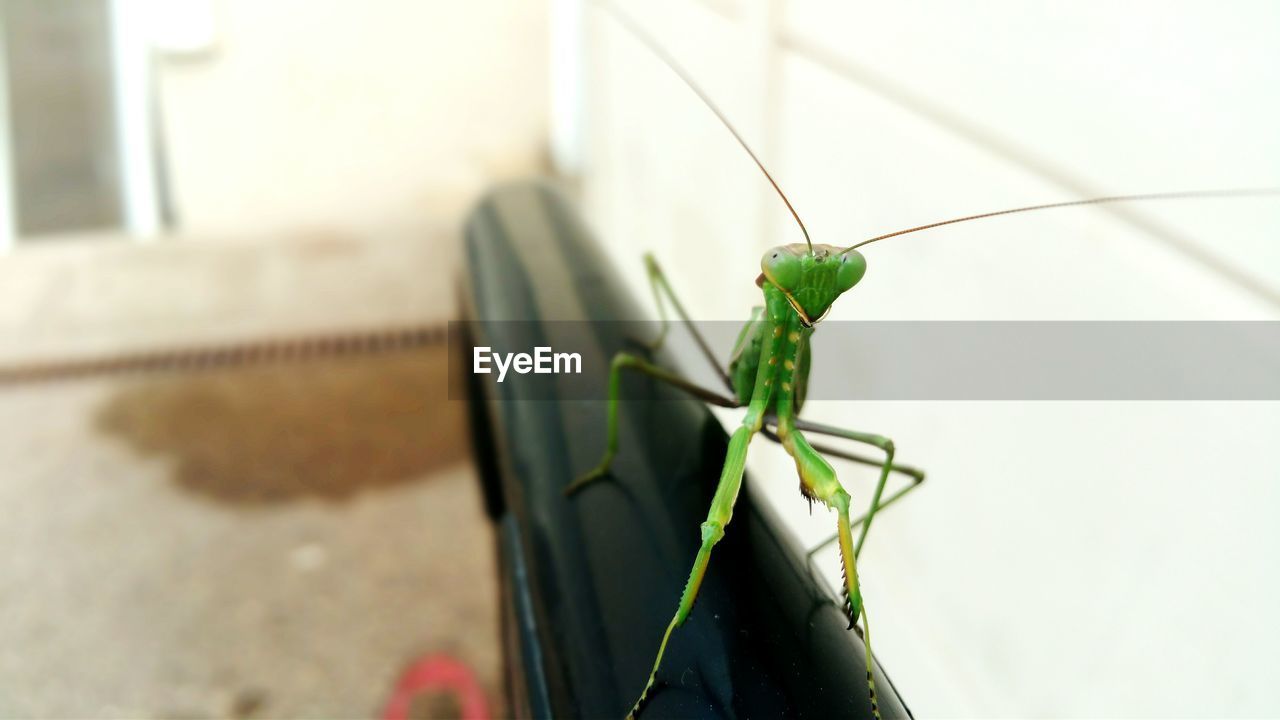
(811, 280)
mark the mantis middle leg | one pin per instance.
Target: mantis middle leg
(626, 361)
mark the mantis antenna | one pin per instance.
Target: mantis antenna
(1249, 192)
(680, 72)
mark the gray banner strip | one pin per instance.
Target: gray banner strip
(1197, 360)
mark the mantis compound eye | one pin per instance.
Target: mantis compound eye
(782, 267)
(852, 267)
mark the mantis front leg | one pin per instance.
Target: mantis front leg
(887, 465)
(818, 481)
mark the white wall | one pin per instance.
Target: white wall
(1065, 559)
(348, 115)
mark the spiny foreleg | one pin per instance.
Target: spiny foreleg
(818, 480)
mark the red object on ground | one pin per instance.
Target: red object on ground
(437, 672)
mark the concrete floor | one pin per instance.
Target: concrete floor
(268, 541)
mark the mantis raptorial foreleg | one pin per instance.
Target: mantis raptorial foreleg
(886, 466)
(627, 361)
(915, 475)
(818, 481)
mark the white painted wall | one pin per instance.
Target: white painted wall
(1065, 559)
(346, 116)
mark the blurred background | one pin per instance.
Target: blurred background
(282, 538)
(267, 539)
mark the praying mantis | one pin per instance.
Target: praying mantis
(768, 374)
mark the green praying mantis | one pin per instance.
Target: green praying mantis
(768, 374)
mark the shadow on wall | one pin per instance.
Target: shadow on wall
(324, 429)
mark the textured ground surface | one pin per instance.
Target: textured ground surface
(273, 540)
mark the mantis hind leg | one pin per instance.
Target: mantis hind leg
(627, 361)
(818, 482)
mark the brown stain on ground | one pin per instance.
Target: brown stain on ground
(319, 428)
